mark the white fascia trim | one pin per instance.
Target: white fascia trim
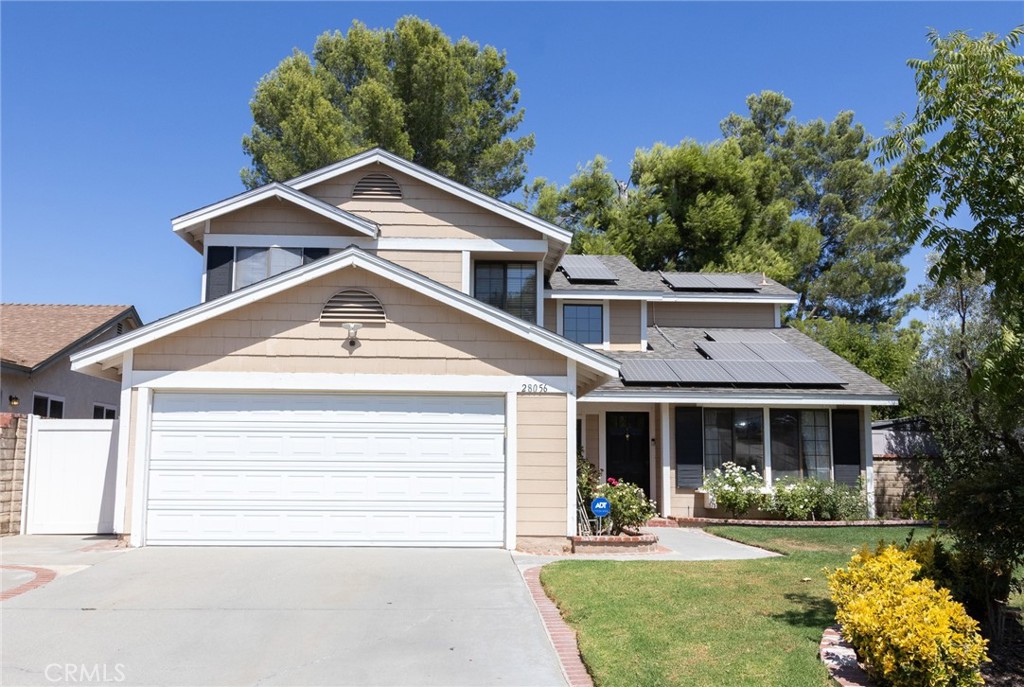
(643, 325)
(707, 399)
(125, 418)
(669, 297)
(315, 381)
(376, 155)
(346, 258)
(282, 192)
(511, 468)
(446, 245)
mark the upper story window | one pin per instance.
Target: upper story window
(229, 268)
(511, 286)
(45, 405)
(583, 323)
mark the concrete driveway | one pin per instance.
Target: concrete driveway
(280, 616)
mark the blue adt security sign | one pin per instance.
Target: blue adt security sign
(600, 507)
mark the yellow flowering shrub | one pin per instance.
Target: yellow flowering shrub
(907, 631)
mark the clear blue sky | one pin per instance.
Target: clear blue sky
(118, 116)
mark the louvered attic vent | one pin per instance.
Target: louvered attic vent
(377, 185)
(353, 305)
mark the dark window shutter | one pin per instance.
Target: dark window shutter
(219, 266)
(846, 446)
(689, 448)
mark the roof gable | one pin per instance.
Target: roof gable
(106, 355)
(377, 155)
(36, 334)
(280, 191)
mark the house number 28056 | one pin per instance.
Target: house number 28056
(534, 389)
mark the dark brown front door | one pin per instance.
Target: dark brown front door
(629, 448)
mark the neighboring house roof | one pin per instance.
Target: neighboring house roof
(33, 335)
(183, 223)
(676, 343)
(632, 282)
(383, 157)
(107, 354)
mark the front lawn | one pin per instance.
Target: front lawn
(710, 624)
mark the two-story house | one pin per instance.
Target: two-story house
(382, 356)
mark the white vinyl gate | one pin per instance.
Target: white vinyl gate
(71, 468)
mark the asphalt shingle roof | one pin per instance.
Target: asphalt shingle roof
(31, 334)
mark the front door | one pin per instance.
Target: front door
(628, 446)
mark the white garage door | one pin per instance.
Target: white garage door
(326, 469)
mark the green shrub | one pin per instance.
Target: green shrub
(588, 476)
(812, 499)
(908, 632)
(630, 506)
(736, 489)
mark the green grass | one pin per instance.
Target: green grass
(709, 624)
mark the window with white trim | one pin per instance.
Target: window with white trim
(102, 411)
(734, 435)
(510, 286)
(583, 323)
(45, 405)
(229, 267)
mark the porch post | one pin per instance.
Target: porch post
(869, 459)
(766, 425)
(666, 460)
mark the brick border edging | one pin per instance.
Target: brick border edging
(841, 660)
(43, 576)
(562, 637)
(699, 522)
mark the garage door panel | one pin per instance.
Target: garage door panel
(198, 486)
(326, 469)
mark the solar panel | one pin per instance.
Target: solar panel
(726, 351)
(699, 371)
(754, 372)
(647, 371)
(585, 268)
(731, 282)
(746, 336)
(687, 282)
(779, 352)
(808, 372)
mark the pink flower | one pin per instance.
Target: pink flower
(612, 481)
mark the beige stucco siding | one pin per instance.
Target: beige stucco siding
(423, 211)
(444, 267)
(541, 482)
(282, 334)
(551, 315)
(275, 216)
(624, 325)
(667, 314)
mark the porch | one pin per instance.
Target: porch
(666, 448)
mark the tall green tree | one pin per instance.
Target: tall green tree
(958, 187)
(452, 107)
(824, 170)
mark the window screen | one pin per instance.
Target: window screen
(219, 271)
(583, 323)
(284, 259)
(250, 266)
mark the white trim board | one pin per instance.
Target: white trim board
(314, 381)
(91, 360)
(382, 243)
(277, 190)
(382, 157)
(706, 399)
(613, 294)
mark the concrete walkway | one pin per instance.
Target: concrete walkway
(683, 544)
